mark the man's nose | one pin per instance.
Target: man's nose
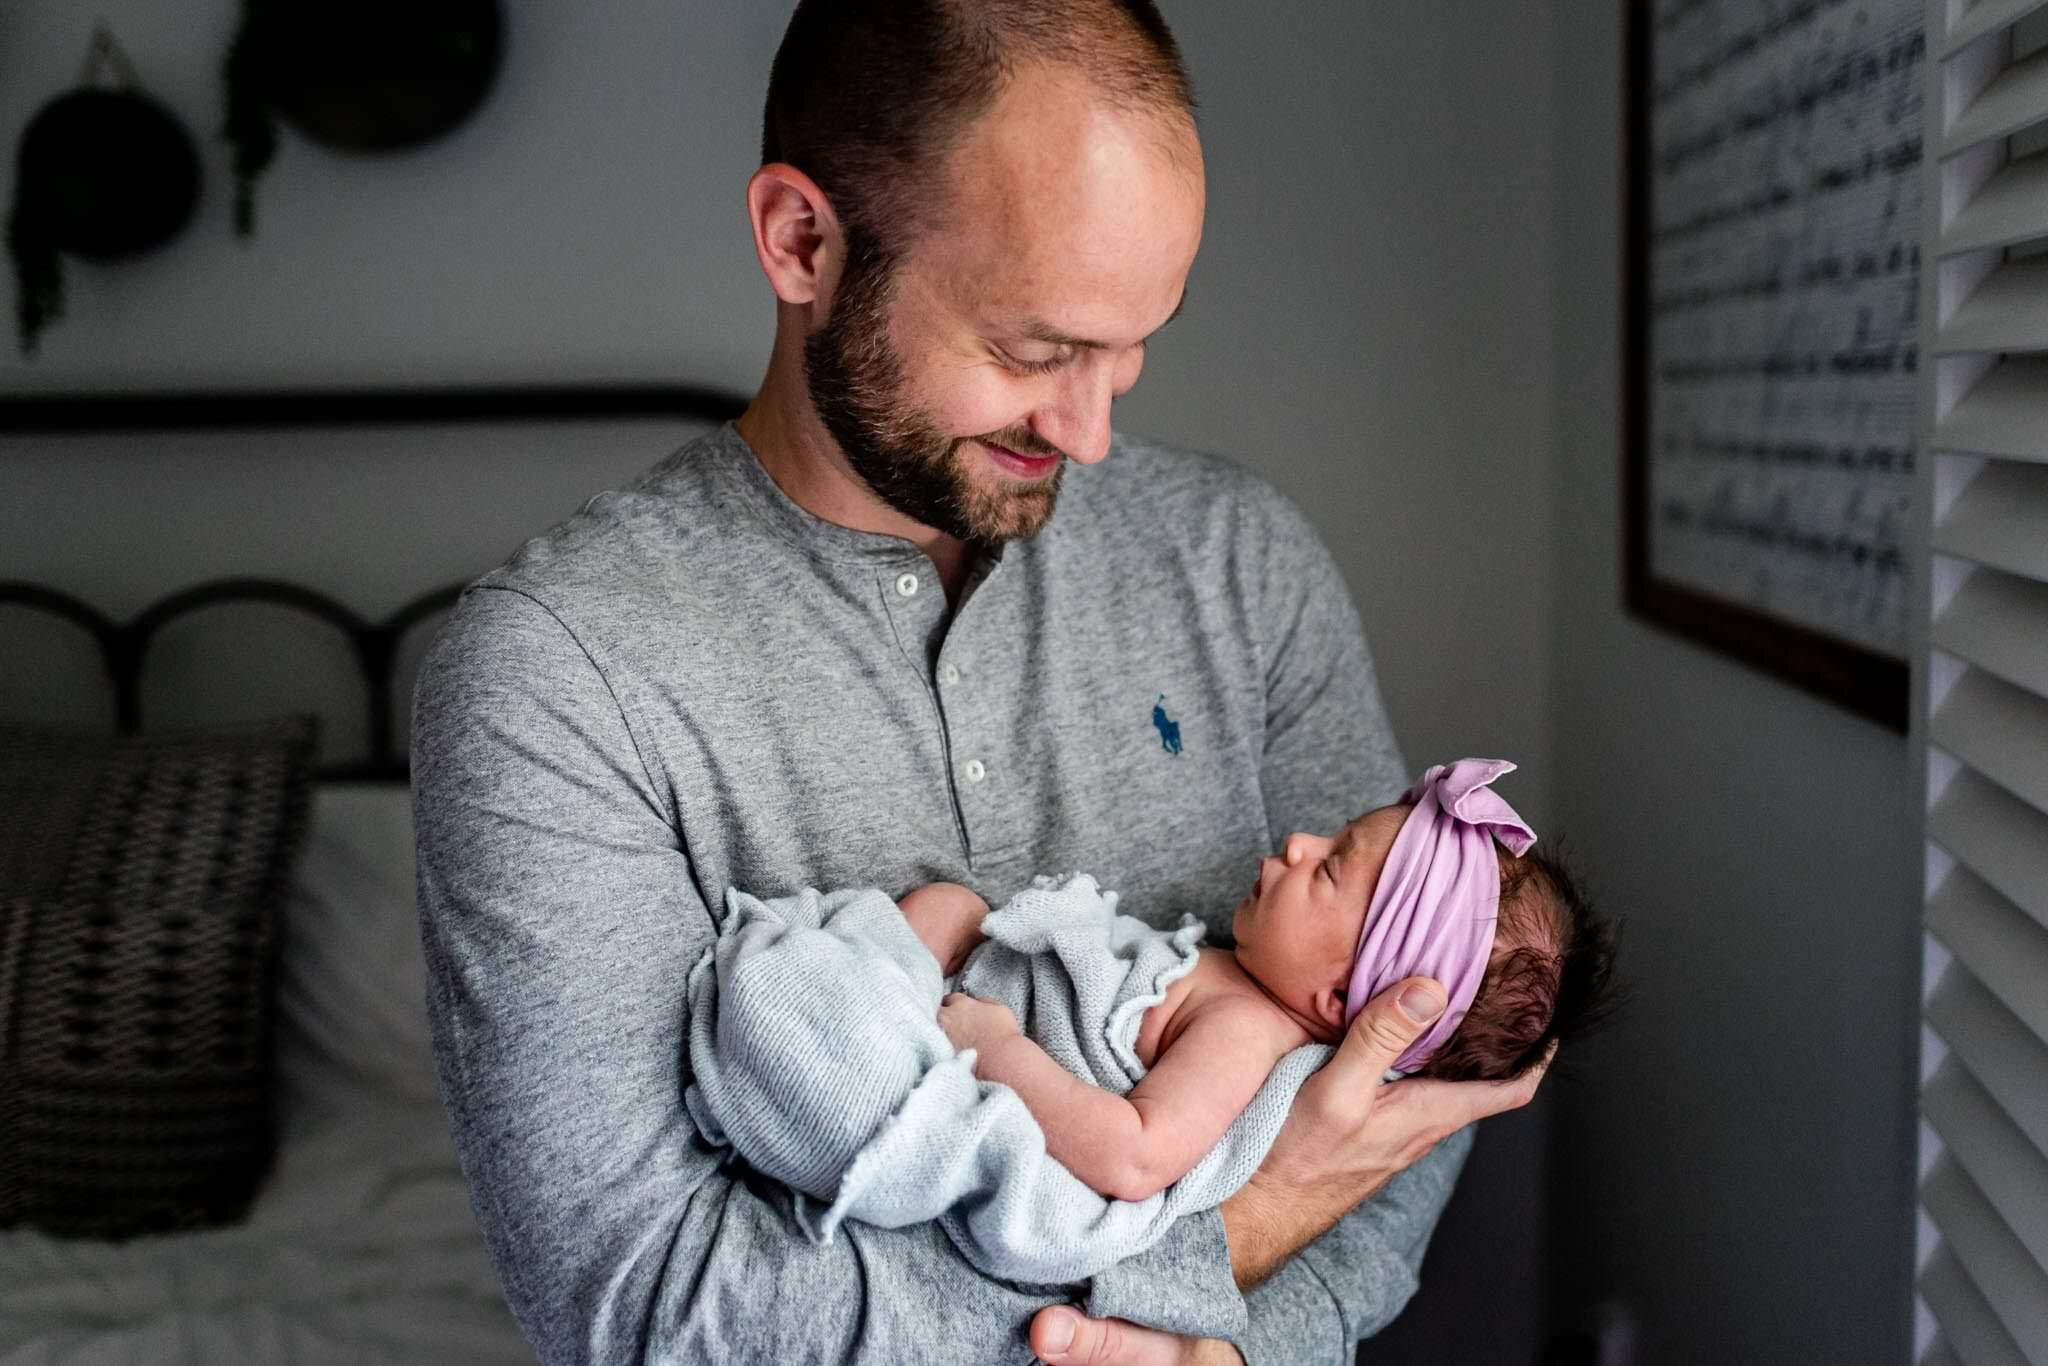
(1077, 420)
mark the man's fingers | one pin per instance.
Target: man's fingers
(1064, 1337)
(1502, 1096)
(1390, 1022)
(1439, 1108)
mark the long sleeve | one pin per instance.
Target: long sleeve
(1330, 756)
(560, 918)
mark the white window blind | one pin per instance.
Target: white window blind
(1983, 678)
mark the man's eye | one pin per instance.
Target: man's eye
(1038, 367)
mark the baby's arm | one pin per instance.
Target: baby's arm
(1126, 1147)
(947, 918)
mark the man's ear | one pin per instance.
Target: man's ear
(796, 234)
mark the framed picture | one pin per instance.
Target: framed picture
(1773, 262)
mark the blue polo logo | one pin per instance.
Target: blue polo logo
(1169, 729)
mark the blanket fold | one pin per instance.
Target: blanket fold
(815, 1053)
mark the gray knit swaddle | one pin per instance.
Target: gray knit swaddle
(815, 1053)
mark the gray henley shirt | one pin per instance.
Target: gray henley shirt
(693, 684)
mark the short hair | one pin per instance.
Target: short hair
(1550, 978)
(867, 97)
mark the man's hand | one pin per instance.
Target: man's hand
(971, 1022)
(1346, 1135)
(1062, 1337)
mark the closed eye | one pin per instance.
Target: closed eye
(1055, 361)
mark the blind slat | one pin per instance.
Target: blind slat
(1967, 1320)
(2005, 413)
(1997, 1048)
(2000, 837)
(2012, 207)
(1999, 623)
(2008, 312)
(1982, 17)
(1998, 518)
(2012, 1283)
(1999, 730)
(2006, 1169)
(2003, 949)
(2015, 98)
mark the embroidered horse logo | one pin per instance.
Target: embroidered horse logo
(1169, 729)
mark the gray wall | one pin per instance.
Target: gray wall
(1735, 1161)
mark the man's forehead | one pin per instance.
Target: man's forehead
(1062, 211)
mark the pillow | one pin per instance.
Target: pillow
(352, 1013)
(137, 895)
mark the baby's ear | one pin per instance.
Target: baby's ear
(1329, 1007)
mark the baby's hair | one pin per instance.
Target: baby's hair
(1550, 978)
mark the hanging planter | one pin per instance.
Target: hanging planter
(354, 75)
(101, 174)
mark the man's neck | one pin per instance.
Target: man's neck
(783, 430)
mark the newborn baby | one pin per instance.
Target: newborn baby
(1443, 884)
(1152, 1074)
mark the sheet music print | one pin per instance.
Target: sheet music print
(1784, 277)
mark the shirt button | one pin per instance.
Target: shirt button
(975, 771)
(949, 675)
(906, 584)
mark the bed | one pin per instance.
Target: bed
(359, 1245)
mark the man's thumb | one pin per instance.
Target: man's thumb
(1396, 1018)
(1063, 1337)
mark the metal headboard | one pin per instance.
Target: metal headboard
(124, 648)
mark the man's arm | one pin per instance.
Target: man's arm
(560, 921)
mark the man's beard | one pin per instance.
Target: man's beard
(857, 386)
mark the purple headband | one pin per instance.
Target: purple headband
(1434, 907)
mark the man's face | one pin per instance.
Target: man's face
(958, 387)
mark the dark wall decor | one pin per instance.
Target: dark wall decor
(354, 75)
(1773, 266)
(103, 172)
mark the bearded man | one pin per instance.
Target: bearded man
(918, 616)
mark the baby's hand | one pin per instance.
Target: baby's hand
(971, 1022)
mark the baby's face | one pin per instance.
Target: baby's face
(1297, 932)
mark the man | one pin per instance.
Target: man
(847, 641)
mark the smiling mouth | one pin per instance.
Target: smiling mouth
(1022, 465)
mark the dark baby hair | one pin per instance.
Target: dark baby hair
(1550, 978)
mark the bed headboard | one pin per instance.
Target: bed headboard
(124, 650)
(192, 561)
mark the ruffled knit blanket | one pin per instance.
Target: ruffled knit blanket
(815, 1053)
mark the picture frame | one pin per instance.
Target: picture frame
(1771, 220)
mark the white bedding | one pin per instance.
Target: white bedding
(361, 1247)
